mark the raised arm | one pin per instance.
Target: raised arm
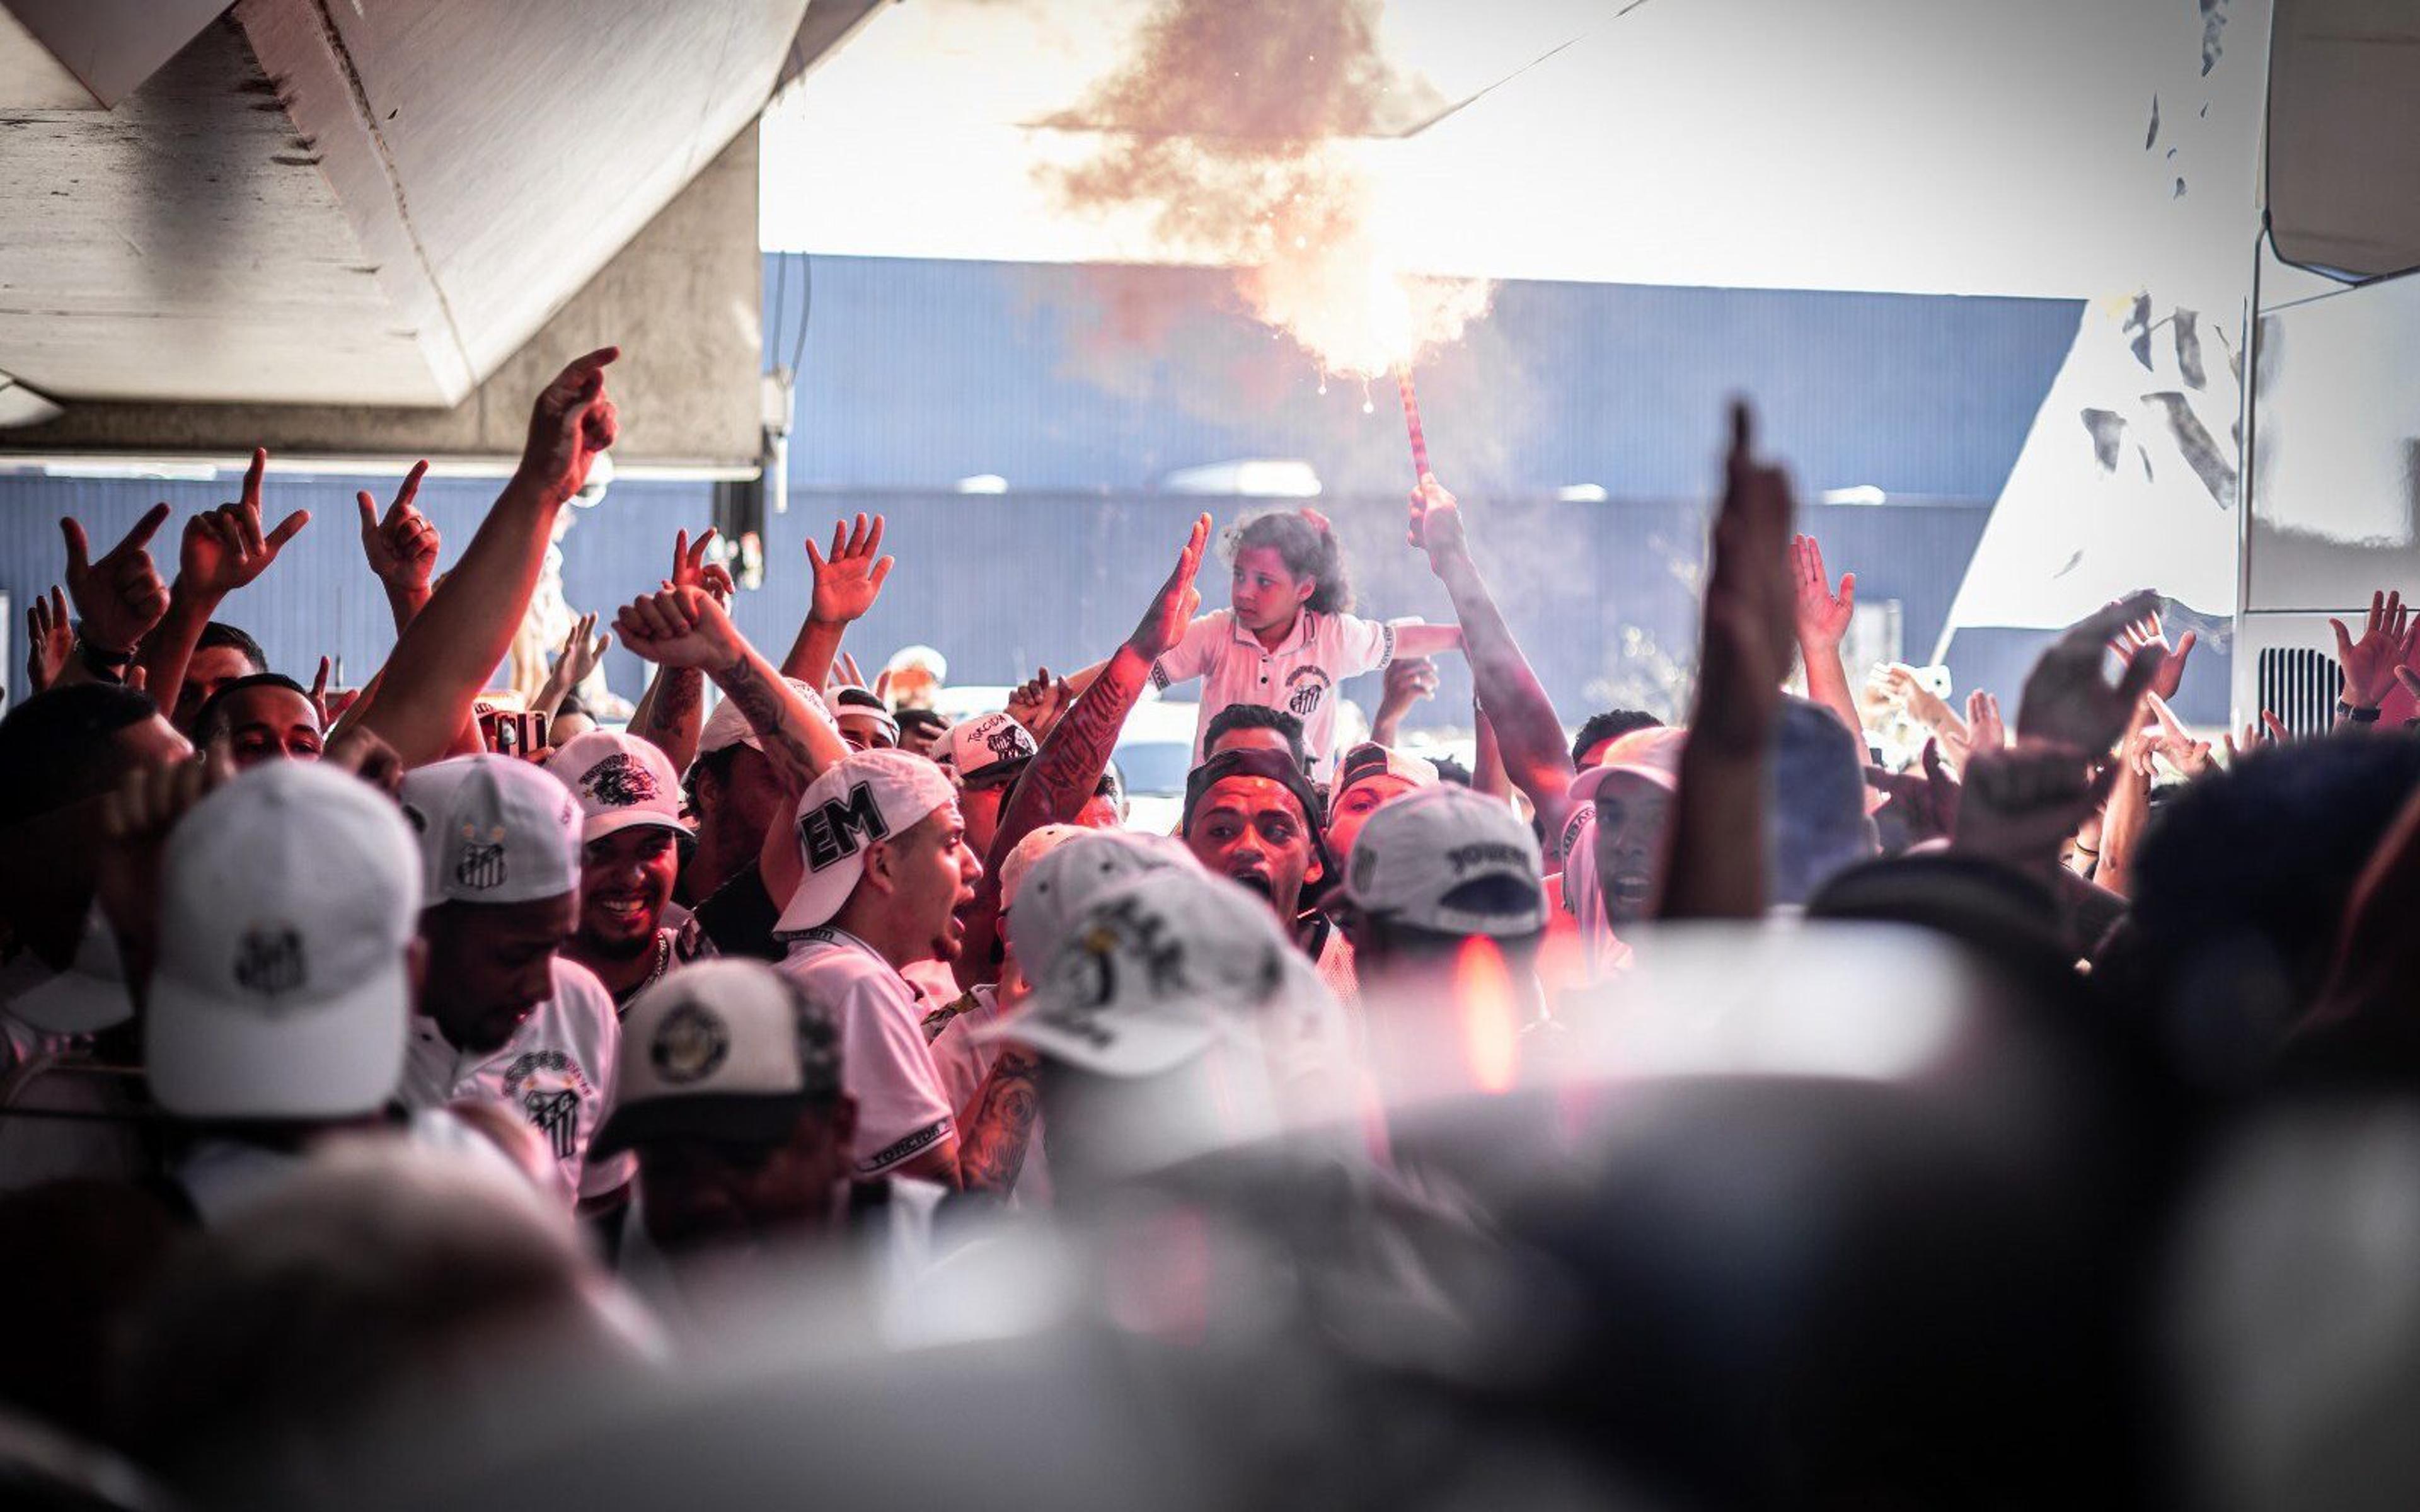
(118, 599)
(1427, 640)
(1060, 781)
(1715, 864)
(223, 550)
(847, 583)
(449, 649)
(401, 546)
(1822, 619)
(2387, 641)
(685, 627)
(671, 712)
(582, 649)
(1527, 735)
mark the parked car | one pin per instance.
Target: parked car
(1152, 753)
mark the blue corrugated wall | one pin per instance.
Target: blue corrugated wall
(916, 373)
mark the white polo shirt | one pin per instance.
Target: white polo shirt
(901, 1109)
(1299, 676)
(557, 1072)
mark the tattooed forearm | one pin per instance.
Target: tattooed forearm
(769, 715)
(672, 720)
(991, 1149)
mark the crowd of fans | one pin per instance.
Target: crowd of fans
(369, 1056)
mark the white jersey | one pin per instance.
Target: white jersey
(556, 1071)
(1299, 676)
(901, 1109)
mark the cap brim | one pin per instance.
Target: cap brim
(596, 826)
(1584, 787)
(206, 1058)
(749, 1118)
(820, 895)
(1143, 1044)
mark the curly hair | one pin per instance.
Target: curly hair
(1305, 542)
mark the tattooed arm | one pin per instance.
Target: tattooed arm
(997, 1131)
(1059, 782)
(684, 627)
(672, 714)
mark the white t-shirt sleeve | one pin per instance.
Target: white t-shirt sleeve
(1195, 651)
(901, 1109)
(1359, 645)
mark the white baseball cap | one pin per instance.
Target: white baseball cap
(493, 829)
(1160, 968)
(1415, 858)
(622, 782)
(1370, 758)
(288, 898)
(727, 726)
(1037, 844)
(720, 1050)
(868, 796)
(983, 747)
(1045, 899)
(1653, 753)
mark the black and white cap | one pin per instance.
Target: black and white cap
(288, 898)
(866, 796)
(726, 1050)
(1163, 967)
(986, 749)
(622, 782)
(492, 829)
(1449, 859)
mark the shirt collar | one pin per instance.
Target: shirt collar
(1296, 639)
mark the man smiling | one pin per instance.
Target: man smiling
(630, 844)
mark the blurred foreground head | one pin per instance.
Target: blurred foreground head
(385, 1277)
(1175, 1020)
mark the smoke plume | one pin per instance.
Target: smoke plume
(1237, 130)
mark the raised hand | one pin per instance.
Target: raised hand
(402, 547)
(571, 424)
(680, 627)
(224, 548)
(1037, 702)
(1172, 608)
(1930, 799)
(1408, 680)
(121, 597)
(2021, 803)
(135, 819)
(1437, 523)
(1985, 730)
(2271, 731)
(49, 640)
(850, 578)
(690, 570)
(2147, 632)
(2387, 641)
(319, 694)
(2068, 699)
(1823, 616)
(582, 649)
(1925, 706)
(1749, 603)
(2172, 740)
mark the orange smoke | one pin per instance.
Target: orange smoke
(1230, 132)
